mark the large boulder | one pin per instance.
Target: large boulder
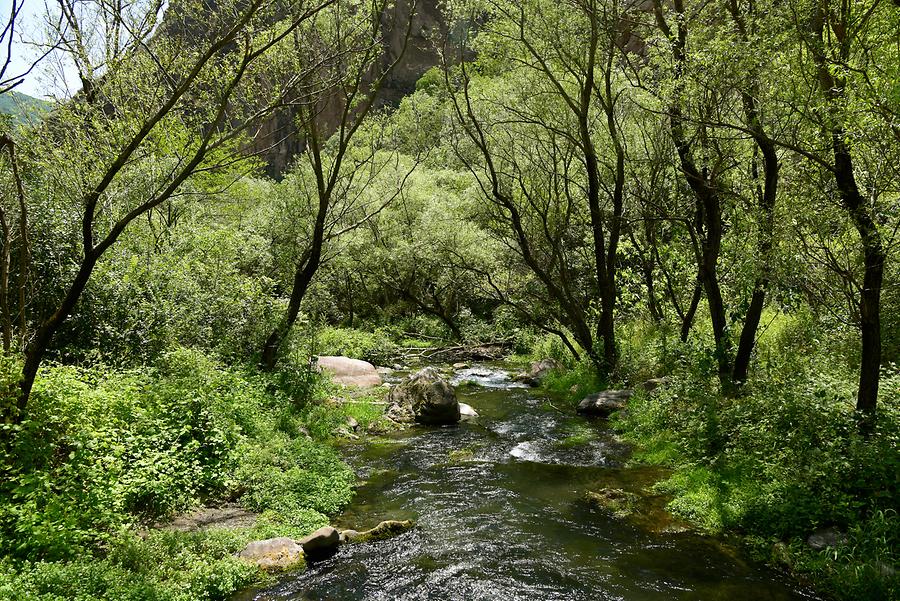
(350, 372)
(603, 404)
(538, 371)
(274, 554)
(425, 397)
(826, 537)
(323, 541)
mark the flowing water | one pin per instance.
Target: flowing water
(501, 514)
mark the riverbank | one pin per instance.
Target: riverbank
(191, 430)
(783, 467)
(107, 453)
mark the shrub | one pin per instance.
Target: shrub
(375, 347)
(102, 450)
(779, 461)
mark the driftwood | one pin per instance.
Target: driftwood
(484, 351)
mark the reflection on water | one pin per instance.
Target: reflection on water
(501, 514)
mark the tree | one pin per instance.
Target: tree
(155, 114)
(348, 90)
(842, 40)
(557, 132)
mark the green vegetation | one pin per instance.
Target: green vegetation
(107, 452)
(781, 460)
(22, 108)
(702, 191)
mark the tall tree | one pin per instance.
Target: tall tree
(155, 114)
(836, 35)
(542, 43)
(348, 88)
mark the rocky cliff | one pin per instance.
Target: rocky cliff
(278, 140)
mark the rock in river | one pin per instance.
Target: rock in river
(350, 372)
(467, 412)
(385, 529)
(274, 554)
(538, 371)
(323, 541)
(615, 500)
(426, 398)
(602, 404)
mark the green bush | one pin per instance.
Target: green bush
(376, 347)
(105, 452)
(100, 449)
(574, 384)
(301, 480)
(164, 566)
(780, 460)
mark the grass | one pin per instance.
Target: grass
(779, 462)
(105, 452)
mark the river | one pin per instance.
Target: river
(501, 514)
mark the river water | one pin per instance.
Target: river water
(501, 514)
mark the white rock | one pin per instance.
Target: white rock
(349, 372)
(467, 411)
(273, 554)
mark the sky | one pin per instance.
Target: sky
(49, 78)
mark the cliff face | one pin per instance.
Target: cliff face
(278, 141)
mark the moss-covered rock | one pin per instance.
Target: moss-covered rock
(386, 529)
(274, 554)
(615, 500)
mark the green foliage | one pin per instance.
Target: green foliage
(300, 480)
(323, 419)
(376, 347)
(103, 452)
(780, 460)
(549, 346)
(574, 384)
(23, 108)
(193, 275)
(863, 568)
(163, 566)
(101, 448)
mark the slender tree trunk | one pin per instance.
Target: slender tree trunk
(646, 258)
(833, 89)
(767, 196)
(705, 192)
(670, 287)
(4, 283)
(38, 346)
(767, 199)
(687, 322)
(605, 256)
(873, 278)
(350, 303)
(306, 270)
(653, 305)
(711, 243)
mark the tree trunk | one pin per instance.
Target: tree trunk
(833, 89)
(766, 196)
(870, 296)
(687, 322)
(302, 278)
(708, 203)
(37, 348)
(764, 248)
